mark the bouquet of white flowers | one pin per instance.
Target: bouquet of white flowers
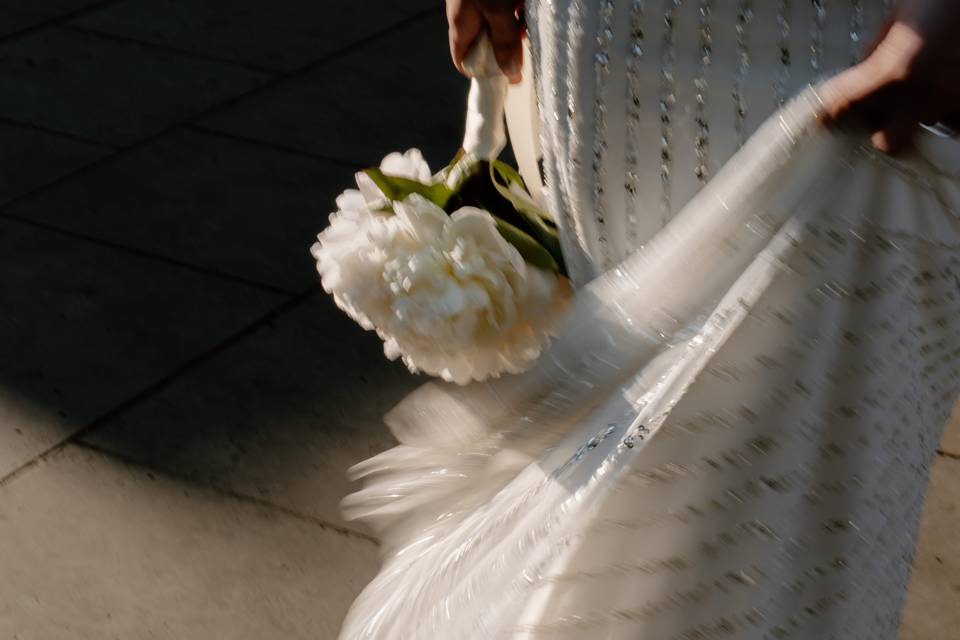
(460, 271)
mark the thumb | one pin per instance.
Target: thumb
(877, 87)
(855, 94)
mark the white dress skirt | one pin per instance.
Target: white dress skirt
(731, 435)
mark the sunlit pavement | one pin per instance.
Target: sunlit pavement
(178, 399)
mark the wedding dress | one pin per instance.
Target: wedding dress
(730, 436)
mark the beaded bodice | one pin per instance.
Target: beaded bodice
(643, 100)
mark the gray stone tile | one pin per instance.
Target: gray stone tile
(31, 158)
(16, 15)
(101, 89)
(933, 599)
(275, 34)
(85, 327)
(279, 416)
(231, 206)
(92, 548)
(397, 92)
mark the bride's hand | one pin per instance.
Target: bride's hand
(910, 75)
(469, 18)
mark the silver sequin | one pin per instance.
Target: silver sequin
(634, 102)
(601, 67)
(668, 98)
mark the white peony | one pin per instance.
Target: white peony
(404, 165)
(446, 293)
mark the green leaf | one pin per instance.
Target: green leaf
(510, 174)
(542, 229)
(441, 176)
(464, 167)
(531, 250)
(397, 188)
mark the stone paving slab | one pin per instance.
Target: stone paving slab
(16, 15)
(94, 548)
(397, 92)
(206, 200)
(109, 91)
(279, 416)
(280, 35)
(932, 609)
(85, 327)
(31, 158)
(951, 435)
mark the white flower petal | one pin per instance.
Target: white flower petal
(424, 220)
(478, 225)
(407, 165)
(368, 189)
(352, 200)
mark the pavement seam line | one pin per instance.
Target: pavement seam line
(276, 146)
(159, 46)
(321, 61)
(57, 20)
(223, 491)
(162, 382)
(13, 122)
(142, 253)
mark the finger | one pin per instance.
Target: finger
(865, 99)
(876, 87)
(460, 44)
(896, 137)
(852, 85)
(505, 36)
(465, 23)
(854, 93)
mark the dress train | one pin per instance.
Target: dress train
(678, 464)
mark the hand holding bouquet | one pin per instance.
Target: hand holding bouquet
(459, 272)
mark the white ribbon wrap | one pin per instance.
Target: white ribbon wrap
(523, 125)
(485, 134)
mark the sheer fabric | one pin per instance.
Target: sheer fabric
(731, 436)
